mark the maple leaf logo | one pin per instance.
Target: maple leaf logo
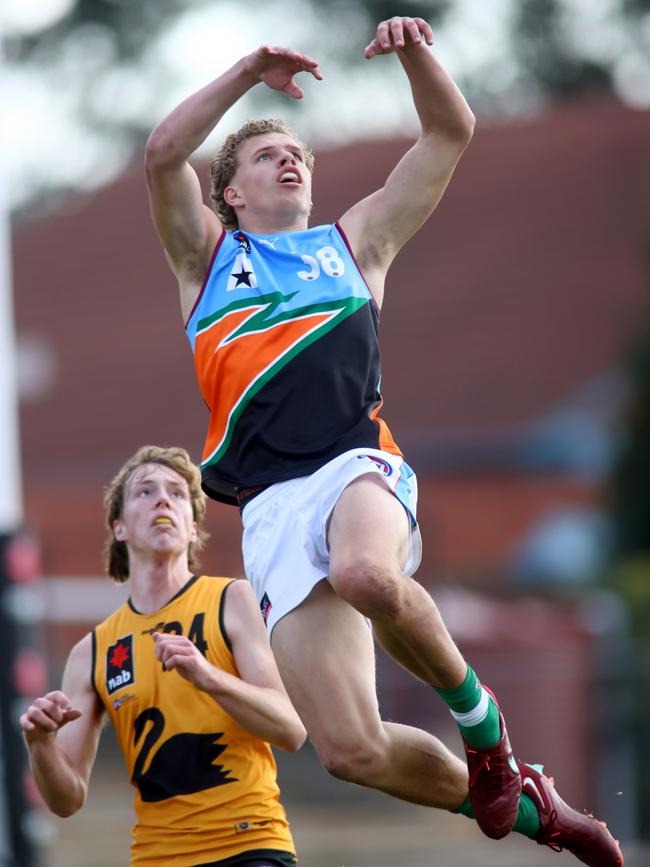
(120, 655)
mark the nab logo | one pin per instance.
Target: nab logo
(266, 606)
(119, 664)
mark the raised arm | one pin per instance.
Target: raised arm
(379, 225)
(61, 730)
(187, 228)
(256, 699)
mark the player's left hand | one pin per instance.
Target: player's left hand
(277, 67)
(398, 33)
(178, 653)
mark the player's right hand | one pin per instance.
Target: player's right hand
(398, 34)
(46, 715)
(277, 66)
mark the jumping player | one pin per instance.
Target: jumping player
(185, 673)
(283, 320)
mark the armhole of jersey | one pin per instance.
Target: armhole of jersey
(93, 666)
(344, 238)
(207, 275)
(222, 618)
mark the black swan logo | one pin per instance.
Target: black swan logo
(182, 765)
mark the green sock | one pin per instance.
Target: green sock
(526, 823)
(474, 710)
(465, 809)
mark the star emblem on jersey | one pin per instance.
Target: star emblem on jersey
(242, 273)
(243, 278)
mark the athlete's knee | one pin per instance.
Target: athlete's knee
(355, 762)
(376, 591)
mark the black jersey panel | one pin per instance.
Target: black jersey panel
(315, 408)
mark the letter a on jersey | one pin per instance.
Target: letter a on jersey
(242, 274)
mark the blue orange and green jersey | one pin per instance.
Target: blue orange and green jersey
(285, 336)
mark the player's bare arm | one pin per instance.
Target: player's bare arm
(379, 225)
(61, 730)
(187, 228)
(257, 699)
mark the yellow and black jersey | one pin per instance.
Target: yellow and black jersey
(205, 787)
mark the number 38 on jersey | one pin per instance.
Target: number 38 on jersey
(327, 260)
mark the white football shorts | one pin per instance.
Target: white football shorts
(285, 527)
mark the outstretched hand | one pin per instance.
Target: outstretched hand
(398, 33)
(276, 67)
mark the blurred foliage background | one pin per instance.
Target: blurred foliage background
(105, 70)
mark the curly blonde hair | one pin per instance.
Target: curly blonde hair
(224, 165)
(116, 555)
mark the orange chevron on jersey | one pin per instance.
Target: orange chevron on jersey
(243, 347)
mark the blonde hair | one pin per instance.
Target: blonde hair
(116, 555)
(224, 165)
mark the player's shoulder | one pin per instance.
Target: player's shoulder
(83, 647)
(240, 602)
(213, 589)
(79, 664)
(238, 588)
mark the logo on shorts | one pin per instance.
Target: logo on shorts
(119, 664)
(383, 465)
(265, 606)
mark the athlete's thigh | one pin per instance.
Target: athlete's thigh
(368, 524)
(325, 654)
